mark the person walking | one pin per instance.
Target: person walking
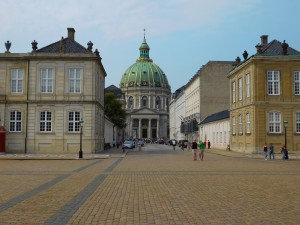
(284, 152)
(174, 144)
(271, 151)
(265, 151)
(201, 147)
(195, 149)
(208, 144)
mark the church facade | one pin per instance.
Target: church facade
(147, 96)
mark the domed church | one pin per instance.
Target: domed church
(147, 95)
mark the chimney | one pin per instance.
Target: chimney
(264, 39)
(71, 33)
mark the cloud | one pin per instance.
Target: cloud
(115, 19)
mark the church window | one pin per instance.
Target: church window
(74, 122)
(75, 79)
(273, 82)
(47, 80)
(15, 121)
(17, 80)
(144, 101)
(274, 122)
(297, 82)
(45, 121)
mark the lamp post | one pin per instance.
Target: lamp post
(285, 124)
(80, 150)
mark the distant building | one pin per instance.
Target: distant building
(177, 114)
(47, 93)
(216, 129)
(206, 93)
(147, 96)
(265, 97)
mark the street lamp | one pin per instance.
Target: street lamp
(81, 125)
(285, 124)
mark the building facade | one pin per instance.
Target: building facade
(48, 94)
(202, 99)
(265, 98)
(177, 114)
(147, 97)
(215, 128)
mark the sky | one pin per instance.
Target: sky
(182, 35)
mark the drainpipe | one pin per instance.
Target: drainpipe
(26, 134)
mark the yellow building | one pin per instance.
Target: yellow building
(47, 94)
(265, 98)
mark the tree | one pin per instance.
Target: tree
(113, 110)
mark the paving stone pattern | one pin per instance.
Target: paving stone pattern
(154, 186)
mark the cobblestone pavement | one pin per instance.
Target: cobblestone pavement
(153, 186)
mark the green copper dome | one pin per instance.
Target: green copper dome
(144, 72)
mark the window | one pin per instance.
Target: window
(75, 76)
(240, 124)
(46, 80)
(157, 102)
(248, 85)
(274, 122)
(144, 101)
(297, 82)
(248, 127)
(74, 121)
(15, 121)
(130, 102)
(240, 89)
(17, 76)
(233, 125)
(45, 121)
(273, 82)
(233, 91)
(297, 122)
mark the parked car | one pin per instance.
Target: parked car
(128, 144)
(141, 143)
(161, 141)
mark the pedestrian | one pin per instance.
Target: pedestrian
(284, 152)
(195, 149)
(208, 144)
(201, 147)
(271, 151)
(174, 144)
(265, 151)
(204, 144)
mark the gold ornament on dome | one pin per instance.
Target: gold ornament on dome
(131, 84)
(144, 83)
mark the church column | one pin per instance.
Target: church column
(140, 128)
(157, 129)
(149, 101)
(130, 128)
(149, 128)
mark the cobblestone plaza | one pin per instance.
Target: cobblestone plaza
(154, 186)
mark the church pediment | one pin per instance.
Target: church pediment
(145, 111)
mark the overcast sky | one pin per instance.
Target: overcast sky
(182, 35)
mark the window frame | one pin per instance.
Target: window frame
(130, 102)
(45, 123)
(233, 91)
(297, 122)
(248, 123)
(273, 85)
(240, 88)
(144, 101)
(240, 118)
(75, 122)
(48, 81)
(75, 82)
(233, 125)
(17, 87)
(276, 124)
(248, 85)
(16, 123)
(297, 83)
